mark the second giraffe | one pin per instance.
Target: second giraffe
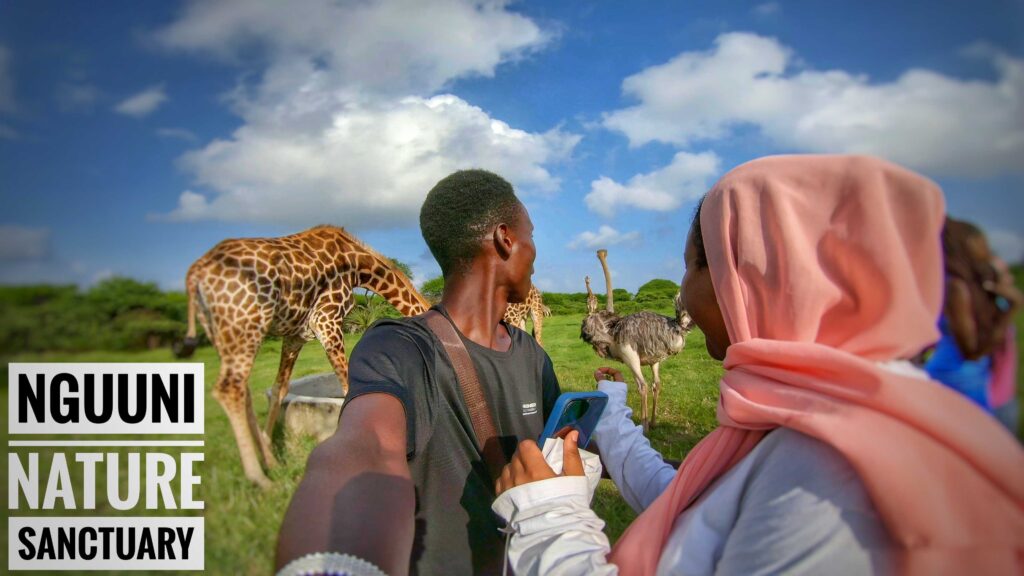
(515, 314)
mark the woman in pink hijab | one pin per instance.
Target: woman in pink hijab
(814, 280)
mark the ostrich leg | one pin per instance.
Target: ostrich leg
(655, 391)
(632, 360)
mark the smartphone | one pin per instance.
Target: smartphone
(575, 411)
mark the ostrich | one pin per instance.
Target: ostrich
(640, 339)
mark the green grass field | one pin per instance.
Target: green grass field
(242, 521)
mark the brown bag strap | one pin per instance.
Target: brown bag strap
(473, 394)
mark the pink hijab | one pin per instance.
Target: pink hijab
(824, 266)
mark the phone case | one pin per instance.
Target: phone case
(585, 424)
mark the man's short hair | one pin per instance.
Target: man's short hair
(460, 210)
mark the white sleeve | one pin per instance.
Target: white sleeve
(552, 529)
(637, 469)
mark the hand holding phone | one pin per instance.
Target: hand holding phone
(529, 464)
(578, 411)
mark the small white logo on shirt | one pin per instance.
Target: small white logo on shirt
(529, 409)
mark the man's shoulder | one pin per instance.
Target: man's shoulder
(406, 327)
(397, 335)
(526, 343)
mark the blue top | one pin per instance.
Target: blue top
(969, 377)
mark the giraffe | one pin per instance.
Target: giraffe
(515, 314)
(299, 287)
(591, 299)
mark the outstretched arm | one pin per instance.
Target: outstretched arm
(357, 495)
(636, 468)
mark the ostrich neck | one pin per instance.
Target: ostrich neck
(609, 302)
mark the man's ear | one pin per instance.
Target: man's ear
(503, 240)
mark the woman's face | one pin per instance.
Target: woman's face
(699, 299)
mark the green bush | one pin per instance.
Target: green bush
(563, 304)
(144, 329)
(116, 314)
(576, 303)
(34, 294)
(657, 294)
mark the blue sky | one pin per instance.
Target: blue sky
(136, 135)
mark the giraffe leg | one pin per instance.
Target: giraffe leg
(261, 437)
(328, 329)
(632, 360)
(290, 348)
(232, 391)
(335, 348)
(655, 391)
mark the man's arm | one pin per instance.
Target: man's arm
(357, 495)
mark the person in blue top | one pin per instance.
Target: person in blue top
(975, 314)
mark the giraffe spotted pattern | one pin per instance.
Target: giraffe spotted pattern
(515, 314)
(298, 287)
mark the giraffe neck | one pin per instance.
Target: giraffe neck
(379, 275)
(591, 299)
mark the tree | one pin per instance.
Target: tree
(432, 289)
(365, 313)
(402, 266)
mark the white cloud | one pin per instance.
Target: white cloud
(21, 243)
(766, 9)
(687, 177)
(344, 124)
(143, 103)
(364, 165)
(922, 119)
(604, 237)
(177, 134)
(398, 47)
(1008, 245)
(7, 103)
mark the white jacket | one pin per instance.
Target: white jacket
(804, 510)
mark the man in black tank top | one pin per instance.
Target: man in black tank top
(401, 483)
